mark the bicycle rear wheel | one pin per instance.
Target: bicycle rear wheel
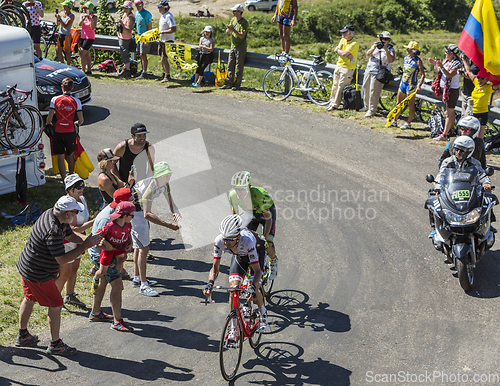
(322, 83)
(388, 100)
(277, 84)
(23, 127)
(230, 351)
(423, 109)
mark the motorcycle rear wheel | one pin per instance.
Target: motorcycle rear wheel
(465, 275)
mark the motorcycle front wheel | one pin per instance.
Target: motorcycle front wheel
(465, 275)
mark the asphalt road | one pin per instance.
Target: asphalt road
(361, 293)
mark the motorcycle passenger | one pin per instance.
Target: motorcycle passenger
(248, 250)
(469, 126)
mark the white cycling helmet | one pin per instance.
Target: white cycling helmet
(241, 179)
(471, 123)
(466, 144)
(230, 226)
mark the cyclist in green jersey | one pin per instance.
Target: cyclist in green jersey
(258, 207)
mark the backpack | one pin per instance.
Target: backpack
(208, 78)
(107, 66)
(133, 67)
(352, 99)
(436, 124)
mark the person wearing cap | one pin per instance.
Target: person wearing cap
(64, 107)
(145, 191)
(144, 22)
(124, 29)
(167, 29)
(237, 28)
(35, 11)
(286, 16)
(409, 81)
(67, 272)
(378, 58)
(206, 56)
(117, 233)
(65, 20)
(38, 265)
(88, 22)
(347, 50)
(113, 275)
(108, 182)
(447, 85)
(135, 151)
(480, 96)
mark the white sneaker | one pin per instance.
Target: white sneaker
(330, 107)
(148, 291)
(393, 124)
(368, 114)
(364, 109)
(274, 270)
(263, 322)
(406, 126)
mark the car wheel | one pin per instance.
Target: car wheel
(273, 8)
(251, 8)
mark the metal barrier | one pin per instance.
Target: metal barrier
(255, 60)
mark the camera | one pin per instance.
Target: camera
(119, 27)
(380, 45)
(57, 10)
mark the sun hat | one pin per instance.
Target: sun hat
(412, 45)
(127, 4)
(122, 194)
(453, 48)
(207, 29)
(385, 34)
(348, 27)
(106, 154)
(67, 203)
(89, 5)
(238, 7)
(67, 3)
(122, 208)
(70, 180)
(162, 169)
(139, 128)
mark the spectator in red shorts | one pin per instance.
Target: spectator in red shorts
(38, 266)
(117, 233)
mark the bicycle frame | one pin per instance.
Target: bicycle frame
(302, 84)
(236, 293)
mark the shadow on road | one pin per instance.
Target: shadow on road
(487, 276)
(94, 114)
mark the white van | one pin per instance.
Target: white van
(17, 67)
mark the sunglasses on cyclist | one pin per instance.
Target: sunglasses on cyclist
(465, 129)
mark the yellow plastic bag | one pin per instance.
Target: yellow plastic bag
(220, 74)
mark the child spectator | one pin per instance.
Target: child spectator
(117, 233)
(206, 54)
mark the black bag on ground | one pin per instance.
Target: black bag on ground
(436, 124)
(352, 99)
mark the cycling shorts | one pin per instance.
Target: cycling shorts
(483, 118)
(284, 20)
(64, 41)
(258, 218)
(407, 88)
(86, 44)
(240, 264)
(64, 143)
(36, 33)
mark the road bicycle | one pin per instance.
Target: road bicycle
(245, 317)
(279, 82)
(48, 43)
(20, 125)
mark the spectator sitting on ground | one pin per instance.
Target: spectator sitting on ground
(379, 57)
(206, 55)
(144, 22)
(124, 28)
(448, 79)
(347, 50)
(409, 81)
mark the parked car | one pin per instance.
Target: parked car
(49, 76)
(261, 5)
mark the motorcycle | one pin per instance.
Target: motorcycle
(200, 13)
(462, 215)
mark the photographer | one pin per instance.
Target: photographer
(124, 28)
(35, 9)
(381, 54)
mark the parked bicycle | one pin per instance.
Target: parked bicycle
(14, 14)
(279, 82)
(21, 125)
(245, 317)
(48, 43)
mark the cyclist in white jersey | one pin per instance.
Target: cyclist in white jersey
(248, 250)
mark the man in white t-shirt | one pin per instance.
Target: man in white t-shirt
(379, 57)
(167, 29)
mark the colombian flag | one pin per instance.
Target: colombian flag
(480, 39)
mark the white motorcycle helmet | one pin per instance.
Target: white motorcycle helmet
(471, 123)
(230, 227)
(466, 144)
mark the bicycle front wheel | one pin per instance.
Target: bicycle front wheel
(230, 349)
(277, 84)
(21, 126)
(256, 335)
(321, 83)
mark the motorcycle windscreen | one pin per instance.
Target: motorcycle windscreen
(459, 186)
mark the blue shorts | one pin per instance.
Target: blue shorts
(407, 88)
(284, 20)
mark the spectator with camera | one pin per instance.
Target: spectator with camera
(124, 29)
(381, 54)
(205, 54)
(65, 20)
(88, 23)
(35, 10)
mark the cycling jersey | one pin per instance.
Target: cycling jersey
(246, 246)
(261, 201)
(410, 70)
(65, 107)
